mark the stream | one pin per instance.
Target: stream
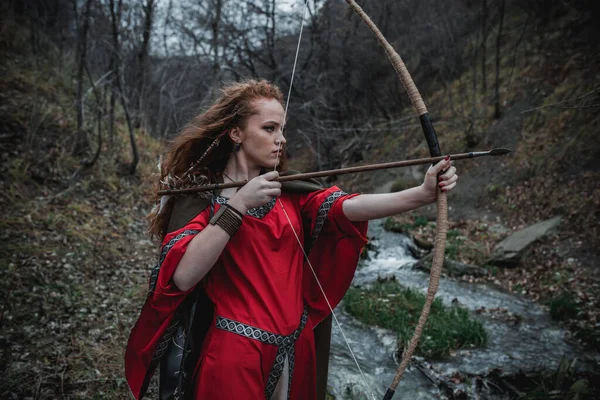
(521, 335)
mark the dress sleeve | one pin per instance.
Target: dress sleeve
(150, 336)
(333, 244)
(173, 248)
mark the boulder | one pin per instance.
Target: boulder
(509, 251)
(419, 247)
(451, 267)
(422, 243)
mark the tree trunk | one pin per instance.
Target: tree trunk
(111, 110)
(81, 140)
(497, 112)
(475, 103)
(215, 37)
(33, 35)
(484, 16)
(134, 149)
(115, 16)
(99, 113)
(148, 9)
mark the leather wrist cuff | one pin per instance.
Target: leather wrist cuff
(232, 208)
(228, 218)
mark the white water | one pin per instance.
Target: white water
(521, 336)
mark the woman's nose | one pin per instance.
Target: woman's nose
(281, 139)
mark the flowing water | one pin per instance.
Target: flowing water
(521, 336)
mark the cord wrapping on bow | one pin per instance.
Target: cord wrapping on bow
(442, 201)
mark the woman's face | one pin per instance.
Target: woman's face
(262, 135)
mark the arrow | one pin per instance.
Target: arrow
(341, 171)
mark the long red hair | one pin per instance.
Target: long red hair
(199, 153)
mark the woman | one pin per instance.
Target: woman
(241, 253)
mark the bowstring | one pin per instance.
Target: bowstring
(287, 100)
(287, 103)
(328, 303)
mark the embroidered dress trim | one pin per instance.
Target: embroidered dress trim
(285, 344)
(256, 212)
(163, 255)
(163, 344)
(166, 338)
(322, 216)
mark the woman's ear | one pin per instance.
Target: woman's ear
(236, 135)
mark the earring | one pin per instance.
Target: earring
(237, 146)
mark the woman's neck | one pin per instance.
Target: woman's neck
(238, 169)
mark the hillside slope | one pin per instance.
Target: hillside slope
(75, 257)
(550, 103)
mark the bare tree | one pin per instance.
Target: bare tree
(215, 29)
(484, 35)
(117, 78)
(497, 112)
(149, 10)
(81, 140)
(115, 18)
(100, 106)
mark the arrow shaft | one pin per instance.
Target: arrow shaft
(332, 172)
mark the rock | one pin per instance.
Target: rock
(509, 251)
(424, 264)
(579, 390)
(498, 229)
(456, 268)
(419, 247)
(369, 247)
(415, 251)
(422, 243)
(451, 267)
(394, 225)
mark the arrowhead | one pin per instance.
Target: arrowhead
(499, 152)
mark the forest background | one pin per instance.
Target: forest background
(91, 91)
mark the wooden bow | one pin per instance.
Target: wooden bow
(442, 203)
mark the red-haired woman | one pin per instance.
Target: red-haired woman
(237, 251)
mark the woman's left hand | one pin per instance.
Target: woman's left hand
(445, 181)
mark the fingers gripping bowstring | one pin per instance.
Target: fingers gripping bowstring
(290, 222)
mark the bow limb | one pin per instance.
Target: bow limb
(442, 203)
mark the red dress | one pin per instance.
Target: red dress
(266, 300)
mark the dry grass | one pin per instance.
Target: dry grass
(75, 257)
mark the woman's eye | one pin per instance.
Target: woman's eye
(270, 128)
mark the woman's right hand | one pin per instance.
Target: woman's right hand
(257, 192)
